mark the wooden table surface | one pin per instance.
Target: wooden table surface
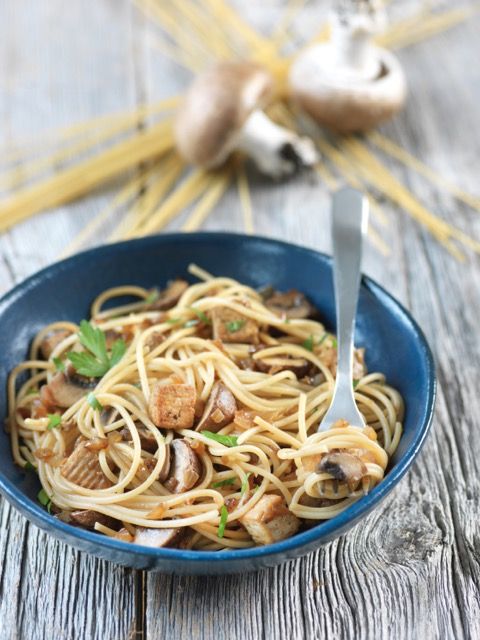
(412, 568)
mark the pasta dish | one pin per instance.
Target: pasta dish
(188, 418)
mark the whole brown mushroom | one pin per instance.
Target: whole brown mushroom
(222, 112)
(349, 84)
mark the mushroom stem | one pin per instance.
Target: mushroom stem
(275, 150)
(352, 53)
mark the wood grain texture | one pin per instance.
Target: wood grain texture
(410, 570)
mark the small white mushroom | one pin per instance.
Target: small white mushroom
(349, 84)
(222, 112)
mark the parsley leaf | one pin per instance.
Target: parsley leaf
(223, 521)
(87, 365)
(308, 343)
(54, 421)
(152, 296)
(93, 402)
(228, 441)
(44, 499)
(355, 383)
(245, 483)
(95, 362)
(235, 325)
(201, 315)
(59, 364)
(172, 320)
(28, 466)
(334, 343)
(223, 483)
(118, 350)
(93, 339)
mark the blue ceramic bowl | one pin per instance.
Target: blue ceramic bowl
(395, 345)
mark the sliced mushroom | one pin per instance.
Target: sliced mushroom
(149, 464)
(220, 409)
(222, 112)
(147, 439)
(185, 469)
(82, 467)
(87, 518)
(169, 297)
(291, 304)
(66, 388)
(172, 406)
(148, 537)
(299, 366)
(270, 520)
(344, 467)
(52, 340)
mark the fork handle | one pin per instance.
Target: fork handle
(349, 225)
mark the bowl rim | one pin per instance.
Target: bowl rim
(324, 529)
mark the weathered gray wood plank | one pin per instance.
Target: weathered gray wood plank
(411, 570)
(58, 65)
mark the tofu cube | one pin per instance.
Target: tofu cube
(270, 520)
(231, 326)
(172, 406)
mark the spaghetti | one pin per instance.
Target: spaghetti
(188, 417)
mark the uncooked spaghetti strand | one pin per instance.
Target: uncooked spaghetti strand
(126, 193)
(190, 189)
(88, 174)
(368, 163)
(89, 127)
(245, 199)
(394, 150)
(153, 195)
(208, 201)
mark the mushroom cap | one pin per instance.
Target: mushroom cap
(215, 108)
(347, 107)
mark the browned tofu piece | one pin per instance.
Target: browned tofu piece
(231, 326)
(82, 467)
(270, 520)
(172, 406)
(359, 366)
(158, 537)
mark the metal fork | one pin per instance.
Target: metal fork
(349, 226)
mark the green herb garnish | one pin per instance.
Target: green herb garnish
(96, 361)
(44, 499)
(201, 315)
(228, 441)
(245, 483)
(59, 364)
(54, 421)
(355, 383)
(152, 296)
(235, 325)
(223, 521)
(223, 483)
(334, 343)
(28, 466)
(172, 320)
(308, 343)
(93, 402)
